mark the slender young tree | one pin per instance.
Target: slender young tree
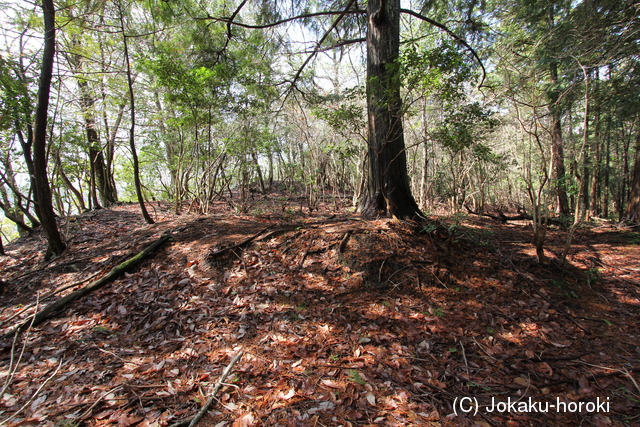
(41, 187)
(132, 128)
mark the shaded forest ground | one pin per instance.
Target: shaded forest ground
(343, 321)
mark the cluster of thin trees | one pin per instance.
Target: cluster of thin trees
(403, 107)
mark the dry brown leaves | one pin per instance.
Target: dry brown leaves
(343, 322)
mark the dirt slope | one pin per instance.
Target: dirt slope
(342, 321)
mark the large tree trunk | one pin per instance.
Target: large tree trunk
(557, 145)
(633, 208)
(101, 177)
(96, 160)
(41, 188)
(109, 135)
(596, 177)
(607, 162)
(388, 189)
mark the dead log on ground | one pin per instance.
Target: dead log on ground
(65, 301)
(520, 217)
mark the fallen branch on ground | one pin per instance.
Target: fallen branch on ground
(520, 217)
(304, 255)
(191, 422)
(13, 367)
(33, 396)
(240, 245)
(343, 245)
(73, 296)
(45, 297)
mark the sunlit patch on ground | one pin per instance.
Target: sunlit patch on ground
(341, 321)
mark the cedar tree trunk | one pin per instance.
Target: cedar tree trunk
(633, 208)
(388, 189)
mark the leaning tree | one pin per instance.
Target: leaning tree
(41, 187)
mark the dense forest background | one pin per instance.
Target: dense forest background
(319, 213)
(521, 105)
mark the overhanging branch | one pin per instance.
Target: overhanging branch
(230, 20)
(337, 45)
(324, 37)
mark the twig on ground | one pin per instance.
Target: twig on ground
(49, 295)
(193, 421)
(622, 371)
(464, 357)
(12, 368)
(86, 413)
(343, 245)
(241, 244)
(4, 422)
(304, 255)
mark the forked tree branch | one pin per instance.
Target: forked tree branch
(324, 37)
(341, 14)
(230, 20)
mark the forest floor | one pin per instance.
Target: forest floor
(342, 321)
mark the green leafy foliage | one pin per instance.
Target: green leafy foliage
(355, 377)
(15, 96)
(466, 128)
(442, 70)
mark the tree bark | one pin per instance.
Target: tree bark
(557, 146)
(41, 188)
(132, 129)
(107, 192)
(388, 189)
(607, 162)
(596, 176)
(633, 208)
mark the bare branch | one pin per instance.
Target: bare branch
(324, 37)
(337, 45)
(230, 20)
